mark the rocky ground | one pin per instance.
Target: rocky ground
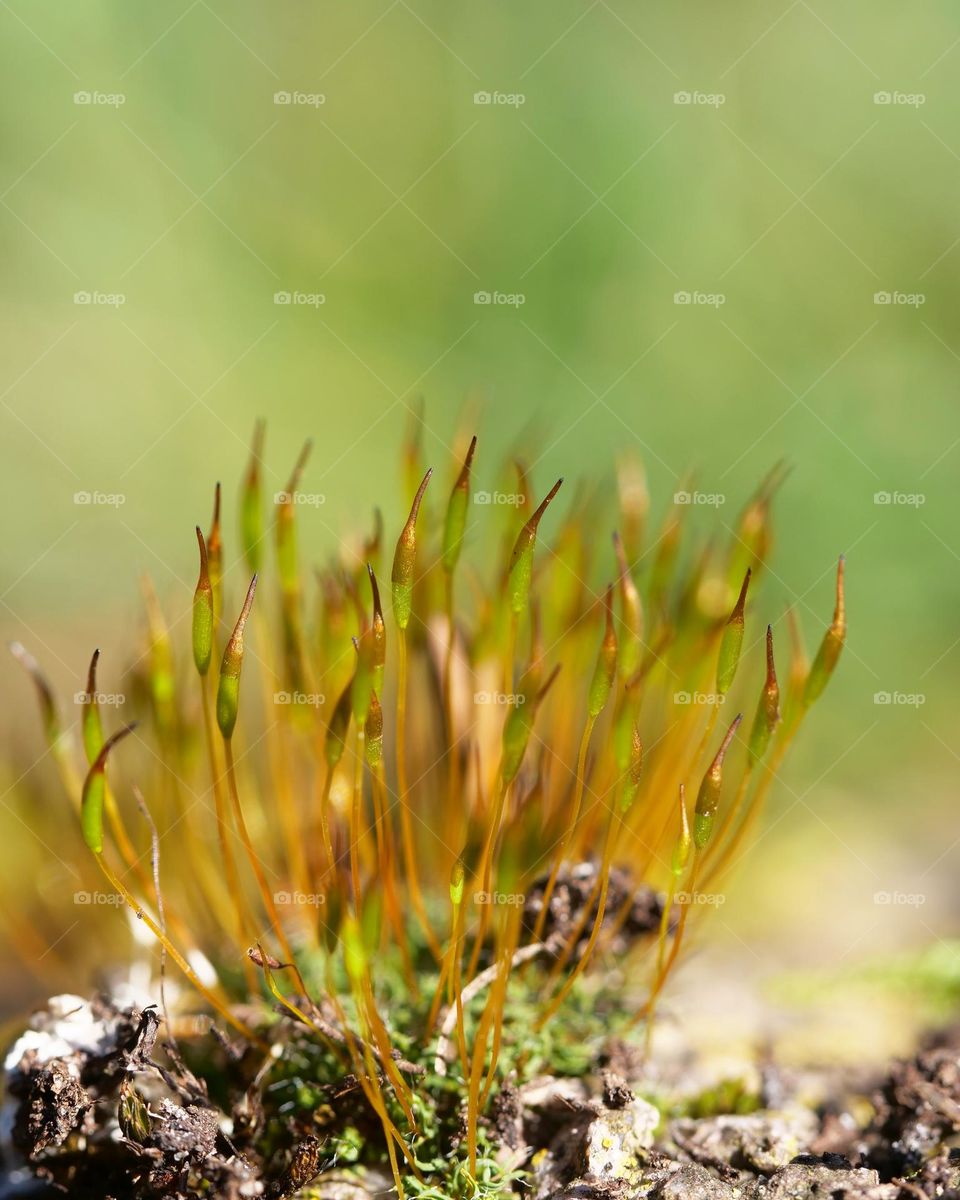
(97, 1106)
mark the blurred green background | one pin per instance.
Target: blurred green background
(786, 188)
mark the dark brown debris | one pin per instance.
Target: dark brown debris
(54, 1102)
(574, 891)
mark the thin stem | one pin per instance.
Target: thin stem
(255, 864)
(498, 997)
(604, 881)
(453, 773)
(571, 827)
(409, 853)
(484, 874)
(387, 874)
(355, 814)
(244, 922)
(138, 911)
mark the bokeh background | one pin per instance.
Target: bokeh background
(149, 164)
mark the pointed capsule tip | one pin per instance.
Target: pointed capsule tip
(418, 498)
(737, 614)
(92, 673)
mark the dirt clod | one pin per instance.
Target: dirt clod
(53, 1106)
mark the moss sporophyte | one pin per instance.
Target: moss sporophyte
(373, 818)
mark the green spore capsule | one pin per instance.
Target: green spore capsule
(631, 784)
(286, 528)
(457, 876)
(606, 669)
(518, 727)
(203, 612)
(456, 517)
(373, 732)
(681, 851)
(404, 560)
(363, 681)
(215, 556)
(251, 504)
(378, 633)
(708, 798)
(768, 708)
(48, 705)
(828, 655)
(631, 615)
(336, 739)
(90, 721)
(731, 643)
(228, 691)
(354, 954)
(521, 560)
(94, 790)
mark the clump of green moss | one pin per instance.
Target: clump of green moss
(418, 834)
